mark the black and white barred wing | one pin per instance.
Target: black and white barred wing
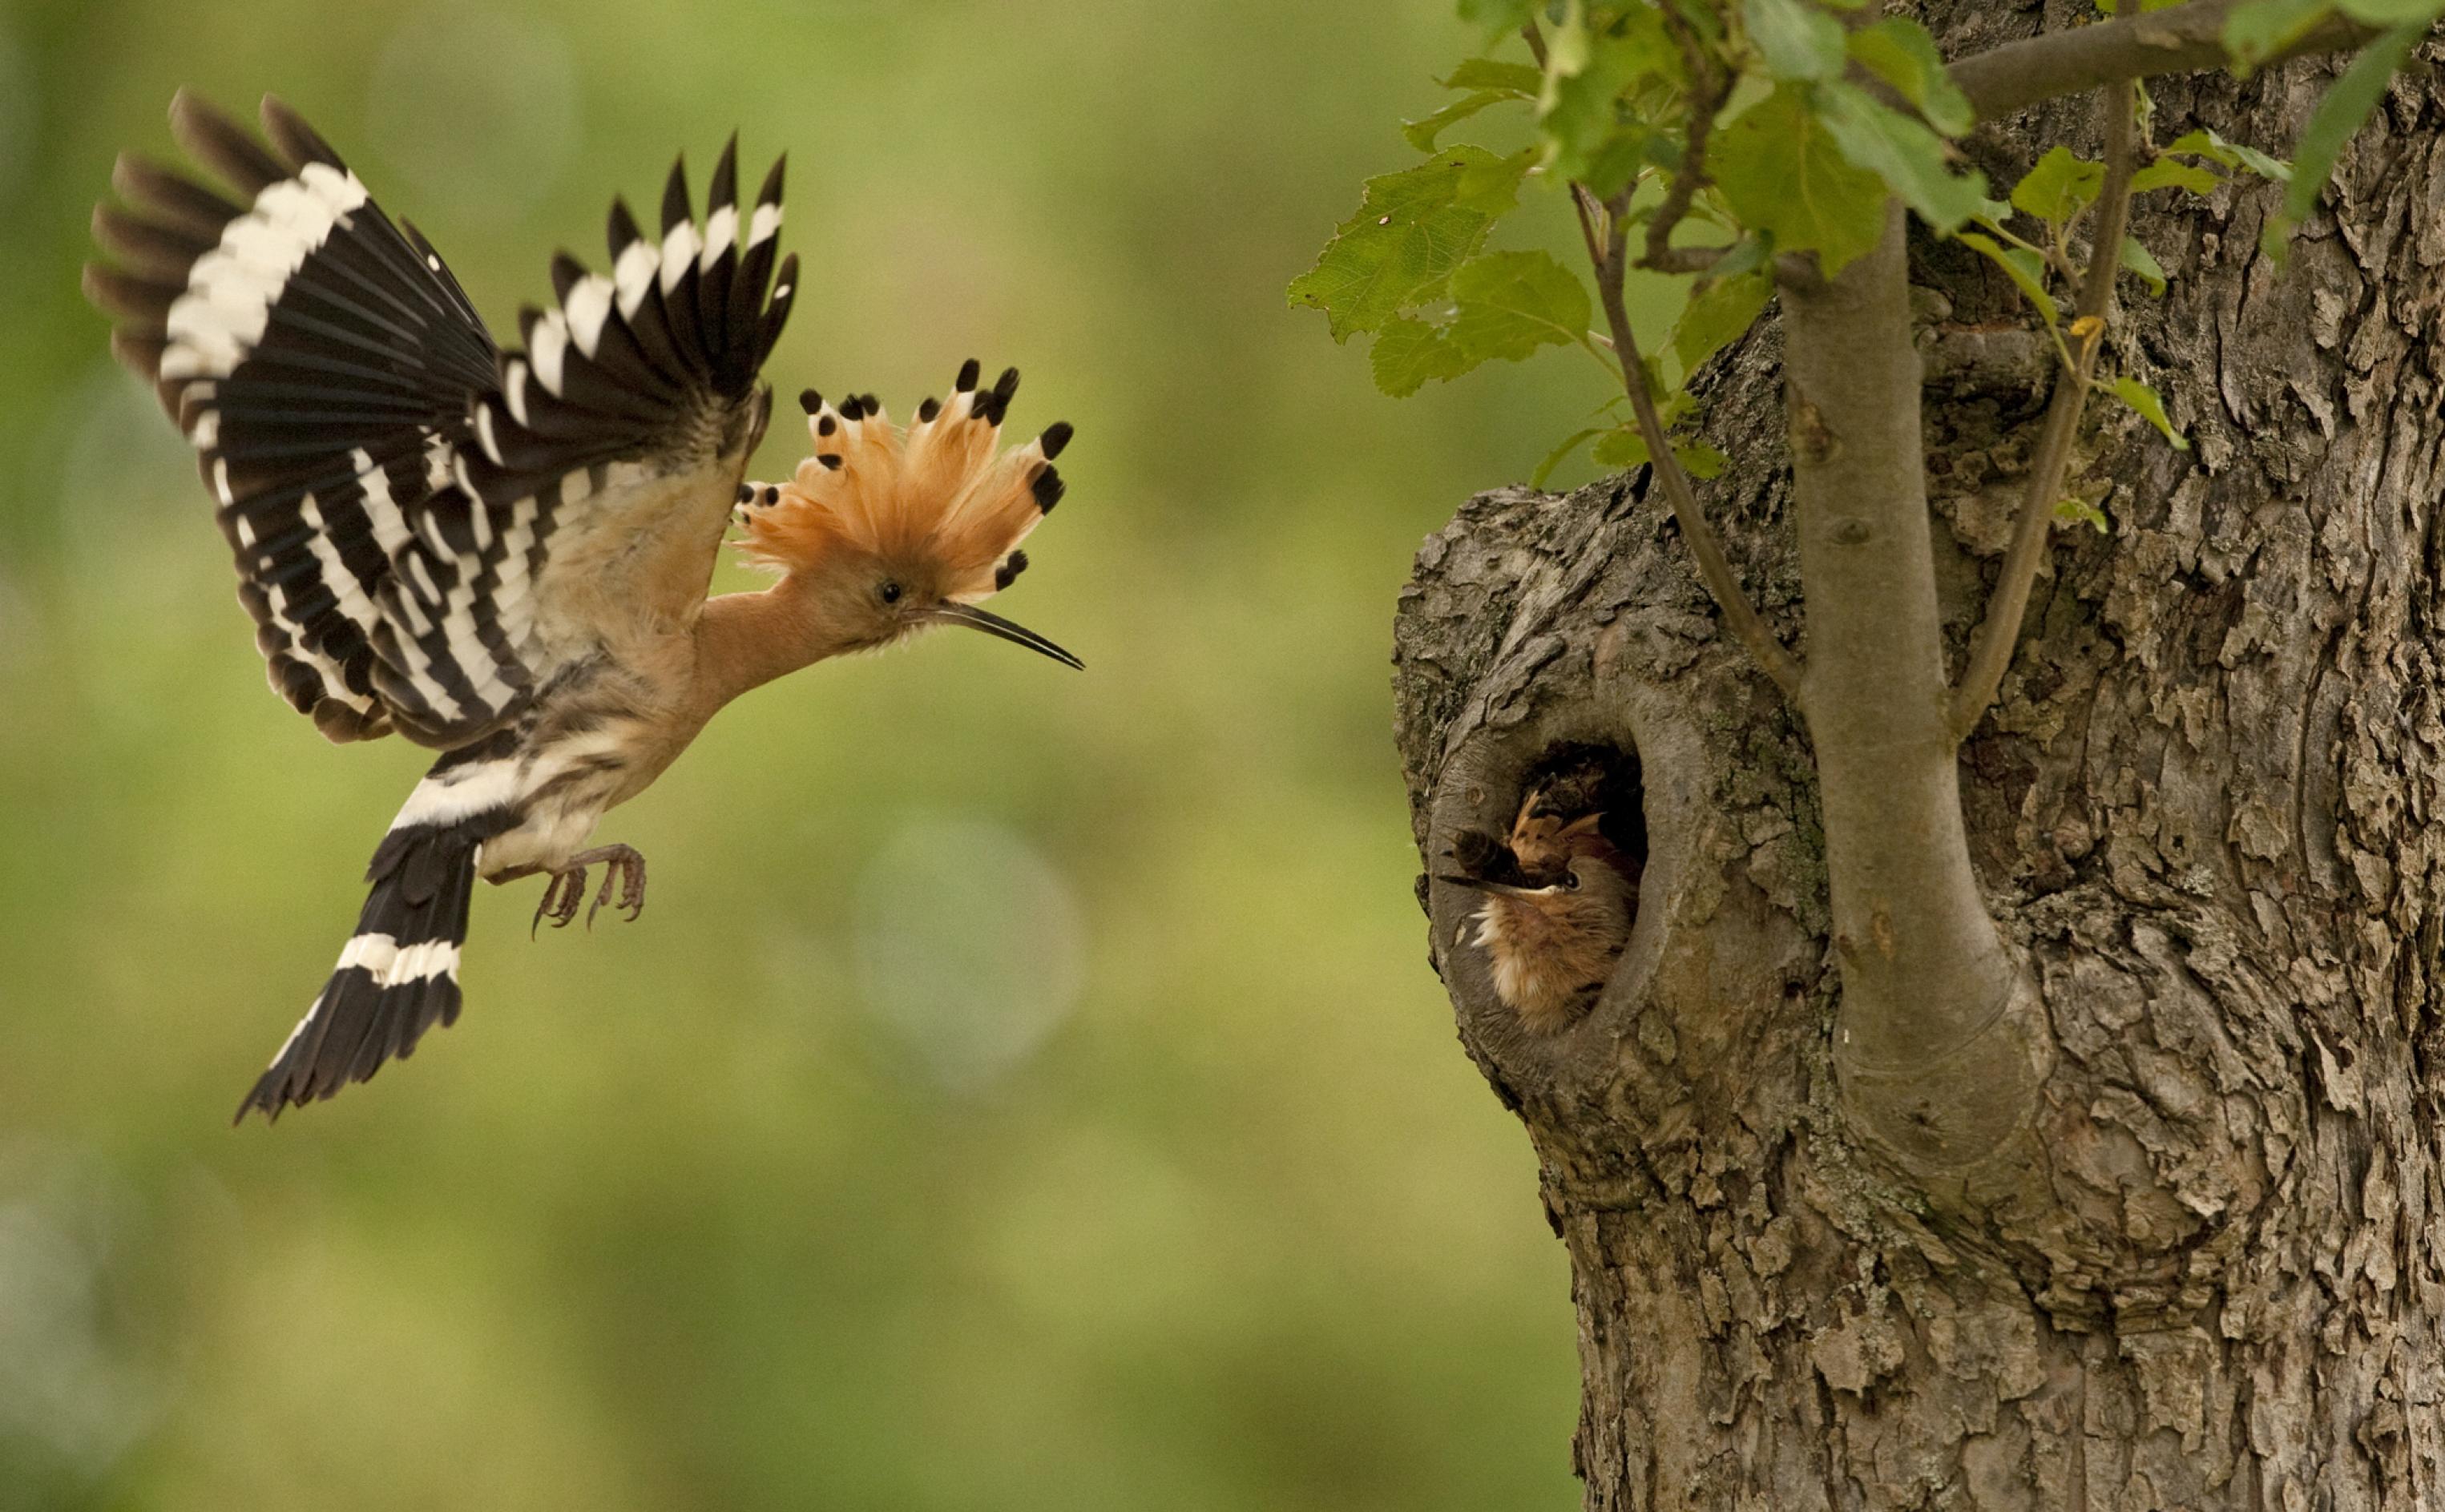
(600, 476)
(322, 361)
(604, 465)
(397, 492)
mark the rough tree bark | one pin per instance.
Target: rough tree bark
(2204, 1271)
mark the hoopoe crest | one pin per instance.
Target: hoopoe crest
(932, 514)
(506, 555)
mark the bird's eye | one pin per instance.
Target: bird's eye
(890, 591)
(1569, 882)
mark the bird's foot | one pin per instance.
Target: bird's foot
(559, 900)
(623, 867)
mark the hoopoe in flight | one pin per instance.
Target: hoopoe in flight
(1560, 901)
(506, 555)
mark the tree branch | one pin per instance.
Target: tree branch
(2004, 79)
(1937, 1041)
(1709, 87)
(1999, 632)
(1609, 252)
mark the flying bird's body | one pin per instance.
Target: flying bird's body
(506, 555)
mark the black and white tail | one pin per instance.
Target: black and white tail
(399, 976)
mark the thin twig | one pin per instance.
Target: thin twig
(1602, 226)
(1608, 251)
(1661, 256)
(2004, 80)
(1991, 646)
(1709, 88)
(1700, 260)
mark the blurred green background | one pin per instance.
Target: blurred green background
(1026, 1089)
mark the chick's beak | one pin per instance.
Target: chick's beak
(1500, 890)
(968, 614)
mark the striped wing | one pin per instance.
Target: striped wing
(320, 358)
(603, 466)
(393, 486)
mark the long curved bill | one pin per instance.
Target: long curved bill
(1457, 880)
(1500, 889)
(968, 614)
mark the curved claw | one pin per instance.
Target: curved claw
(610, 875)
(630, 870)
(623, 869)
(559, 900)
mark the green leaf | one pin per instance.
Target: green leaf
(1499, 17)
(1717, 315)
(2072, 510)
(2059, 185)
(2392, 12)
(1705, 18)
(1909, 156)
(2166, 173)
(1486, 73)
(2152, 408)
(1410, 352)
(1411, 229)
(1797, 40)
(1555, 458)
(1566, 48)
(2023, 267)
(1623, 448)
(2138, 259)
(1421, 132)
(1587, 134)
(1618, 160)
(1700, 460)
(1901, 53)
(2337, 118)
(1671, 402)
(2260, 30)
(1620, 448)
(1749, 253)
(1780, 170)
(2214, 148)
(1511, 303)
(1506, 306)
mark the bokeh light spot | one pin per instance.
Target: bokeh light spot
(969, 947)
(71, 1401)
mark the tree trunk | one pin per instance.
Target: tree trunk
(2206, 1273)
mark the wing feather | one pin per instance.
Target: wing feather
(392, 484)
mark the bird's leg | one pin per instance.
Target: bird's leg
(621, 863)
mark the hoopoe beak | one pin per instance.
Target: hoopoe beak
(968, 614)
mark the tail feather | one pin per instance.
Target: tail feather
(399, 976)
